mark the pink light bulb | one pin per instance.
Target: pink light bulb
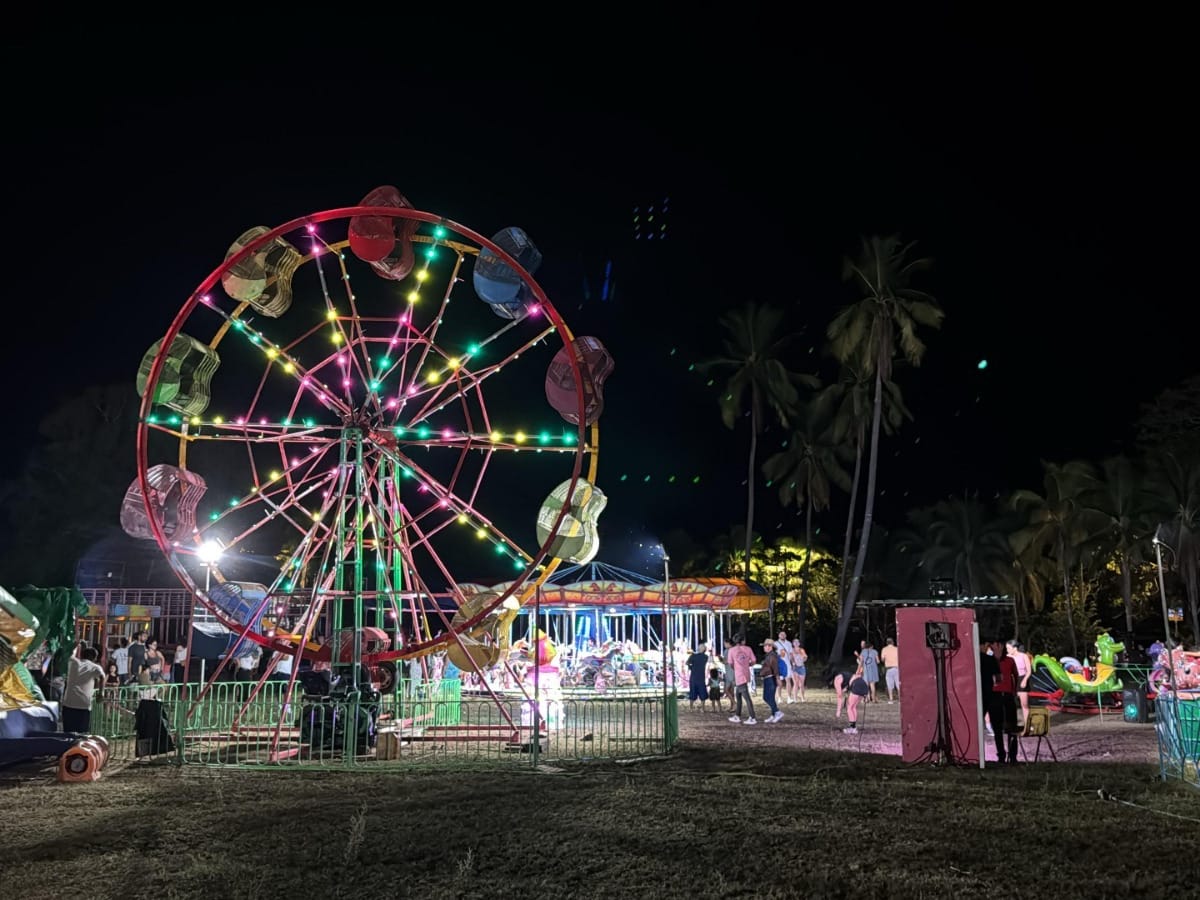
(447, 433)
(444, 504)
(535, 309)
(423, 489)
(262, 421)
(391, 404)
(310, 228)
(241, 421)
(346, 382)
(412, 390)
(394, 341)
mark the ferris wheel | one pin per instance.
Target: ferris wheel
(355, 420)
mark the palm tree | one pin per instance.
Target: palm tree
(1176, 480)
(805, 470)
(966, 539)
(868, 334)
(852, 393)
(1057, 524)
(754, 347)
(1120, 496)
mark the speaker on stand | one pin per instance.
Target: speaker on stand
(1136, 704)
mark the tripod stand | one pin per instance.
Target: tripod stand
(940, 749)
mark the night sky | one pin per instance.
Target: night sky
(1050, 183)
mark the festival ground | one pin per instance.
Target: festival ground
(1075, 737)
(782, 810)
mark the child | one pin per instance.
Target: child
(715, 691)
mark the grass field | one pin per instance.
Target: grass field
(727, 815)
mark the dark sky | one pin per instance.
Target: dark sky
(1043, 166)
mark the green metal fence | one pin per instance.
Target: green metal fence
(420, 724)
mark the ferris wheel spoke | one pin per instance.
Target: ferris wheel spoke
(462, 382)
(443, 497)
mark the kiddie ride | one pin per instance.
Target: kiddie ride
(28, 724)
(1070, 686)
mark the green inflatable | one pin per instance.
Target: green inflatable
(1104, 673)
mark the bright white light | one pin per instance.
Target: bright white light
(209, 552)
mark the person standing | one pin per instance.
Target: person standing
(697, 663)
(1004, 705)
(178, 672)
(890, 657)
(740, 658)
(155, 660)
(870, 668)
(989, 671)
(121, 657)
(714, 688)
(137, 654)
(783, 651)
(770, 680)
(84, 676)
(1024, 672)
(798, 672)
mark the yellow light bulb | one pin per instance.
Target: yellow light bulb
(337, 337)
(274, 476)
(481, 533)
(495, 436)
(272, 353)
(316, 517)
(331, 314)
(520, 437)
(413, 296)
(462, 519)
(289, 368)
(453, 363)
(433, 377)
(422, 275)
(195, 420)
(217, 420)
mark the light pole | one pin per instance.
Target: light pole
(667, 656)
(209, 553)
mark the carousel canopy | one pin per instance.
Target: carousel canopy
(618, 591)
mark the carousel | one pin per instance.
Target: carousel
(610, 626)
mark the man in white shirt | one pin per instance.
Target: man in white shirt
(121, 657)
(84, 676)
(283, 667)
(178, 670)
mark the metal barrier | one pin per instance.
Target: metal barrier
(1177, 724)
(420, 724)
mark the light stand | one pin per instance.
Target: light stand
(666, 640)
(939, 638)
(209, 554)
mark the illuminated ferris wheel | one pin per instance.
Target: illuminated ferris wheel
(370, 407)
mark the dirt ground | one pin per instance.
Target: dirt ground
(1075, 737)
(794, 810)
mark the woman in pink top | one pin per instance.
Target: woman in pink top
(1024, 670)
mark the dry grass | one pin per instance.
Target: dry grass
(734, 813)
